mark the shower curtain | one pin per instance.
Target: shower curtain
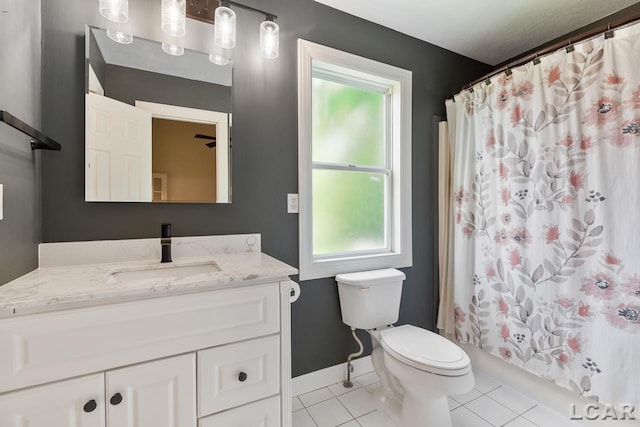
(546, 216)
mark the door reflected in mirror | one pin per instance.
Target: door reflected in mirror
(157, 126)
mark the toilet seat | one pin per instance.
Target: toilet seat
(425, 350)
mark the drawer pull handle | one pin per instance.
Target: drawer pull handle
(116, 399)
(90, 406)
(242, 377)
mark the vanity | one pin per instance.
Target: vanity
(104, 335)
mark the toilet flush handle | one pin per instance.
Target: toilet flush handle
(364, 289)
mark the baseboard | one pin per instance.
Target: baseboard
(328, 376)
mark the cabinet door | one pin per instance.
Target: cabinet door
(71, 403)
(153, 394)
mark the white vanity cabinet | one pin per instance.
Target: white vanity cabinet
(215, 357)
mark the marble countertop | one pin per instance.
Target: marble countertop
(72, 286)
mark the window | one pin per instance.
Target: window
(354, 163)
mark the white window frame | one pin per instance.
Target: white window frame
(399, 250)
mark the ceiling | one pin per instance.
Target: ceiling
(491, 31)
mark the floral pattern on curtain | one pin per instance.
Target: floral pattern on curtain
(546, 211)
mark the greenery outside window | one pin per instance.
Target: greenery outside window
(354, 163)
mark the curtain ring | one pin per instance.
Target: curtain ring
(609, 33)
(570, 48)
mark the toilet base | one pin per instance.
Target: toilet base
(416, 412)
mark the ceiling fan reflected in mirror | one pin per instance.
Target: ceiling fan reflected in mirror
(211, 138)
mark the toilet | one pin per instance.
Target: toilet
(417, 368)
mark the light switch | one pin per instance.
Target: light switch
(292, 203)
(1, 200)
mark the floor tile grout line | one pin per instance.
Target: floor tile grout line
(514, 418)
(474, 412)
(310, 416)
(529, 410)
(479, 416)
(347, 409)
(348, 391)
(481, 394)
(502, 404)
(316, 403)
(370, 412)
(527, 419)
(475, 398)
(487, 392)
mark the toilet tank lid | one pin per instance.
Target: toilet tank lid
(369, 278)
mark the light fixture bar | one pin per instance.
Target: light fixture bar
(270, 16)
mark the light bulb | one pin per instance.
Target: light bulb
(120, 37)
(217, 55)
(224, 33)
(219, 59)
(174, 17)
(115, 10)
(173, 49)
(269, 39)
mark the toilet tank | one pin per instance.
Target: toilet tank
(370, 299)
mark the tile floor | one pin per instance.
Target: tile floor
(488, 404)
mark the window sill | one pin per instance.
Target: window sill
(330, 267)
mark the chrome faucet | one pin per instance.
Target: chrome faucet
(165, 243)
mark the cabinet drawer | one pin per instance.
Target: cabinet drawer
(51, 346)
(265, 413)
(236, 374)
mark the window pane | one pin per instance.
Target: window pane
(348, 124)
(348, 211)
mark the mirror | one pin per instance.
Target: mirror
(158, 127)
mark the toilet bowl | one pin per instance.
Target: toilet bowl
(429, 368)
(417, 368)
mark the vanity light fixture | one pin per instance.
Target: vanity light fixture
(218, 56)
(269, 38)
(224, 32)
(175, 48)
(174, 17)
(174, 25)
(116, 11)
(120, 36)
(225, 29)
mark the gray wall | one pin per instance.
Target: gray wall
(265, 154)
(20, 96)
(130, 85)
(96, 61)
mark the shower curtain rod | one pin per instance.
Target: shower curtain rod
(566, 43)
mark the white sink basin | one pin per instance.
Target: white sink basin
(162, 271)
